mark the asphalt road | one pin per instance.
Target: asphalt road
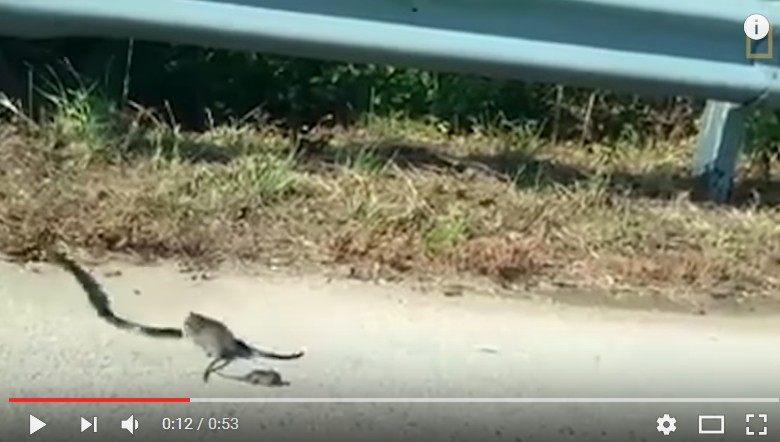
(370, 341)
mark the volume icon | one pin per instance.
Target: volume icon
(85, 424)
(130, 424)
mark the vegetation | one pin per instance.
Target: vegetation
(215, 155)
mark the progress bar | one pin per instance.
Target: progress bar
(408, 400)
(82, 400)
(614, 400)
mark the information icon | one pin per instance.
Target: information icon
(758, 37)
(756, 27)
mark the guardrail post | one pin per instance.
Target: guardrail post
(721, 135)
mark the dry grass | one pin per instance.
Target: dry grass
(389, 197)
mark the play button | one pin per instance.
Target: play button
(36, 424)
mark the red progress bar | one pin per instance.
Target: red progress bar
(98, 399)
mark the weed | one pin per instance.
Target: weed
(85, 117)
(235, 192)
(364, 160)
(268, 177)
(447, 232)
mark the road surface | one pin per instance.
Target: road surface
(371, 341)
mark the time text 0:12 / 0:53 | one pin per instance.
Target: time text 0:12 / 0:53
(202, 423)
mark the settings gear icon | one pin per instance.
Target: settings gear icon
(666, 424)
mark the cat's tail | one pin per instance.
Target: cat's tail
(257, 352)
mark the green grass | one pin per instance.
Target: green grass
(365, 160)
(447, 232)
(84, 116)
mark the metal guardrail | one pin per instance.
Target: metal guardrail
(673, 47)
